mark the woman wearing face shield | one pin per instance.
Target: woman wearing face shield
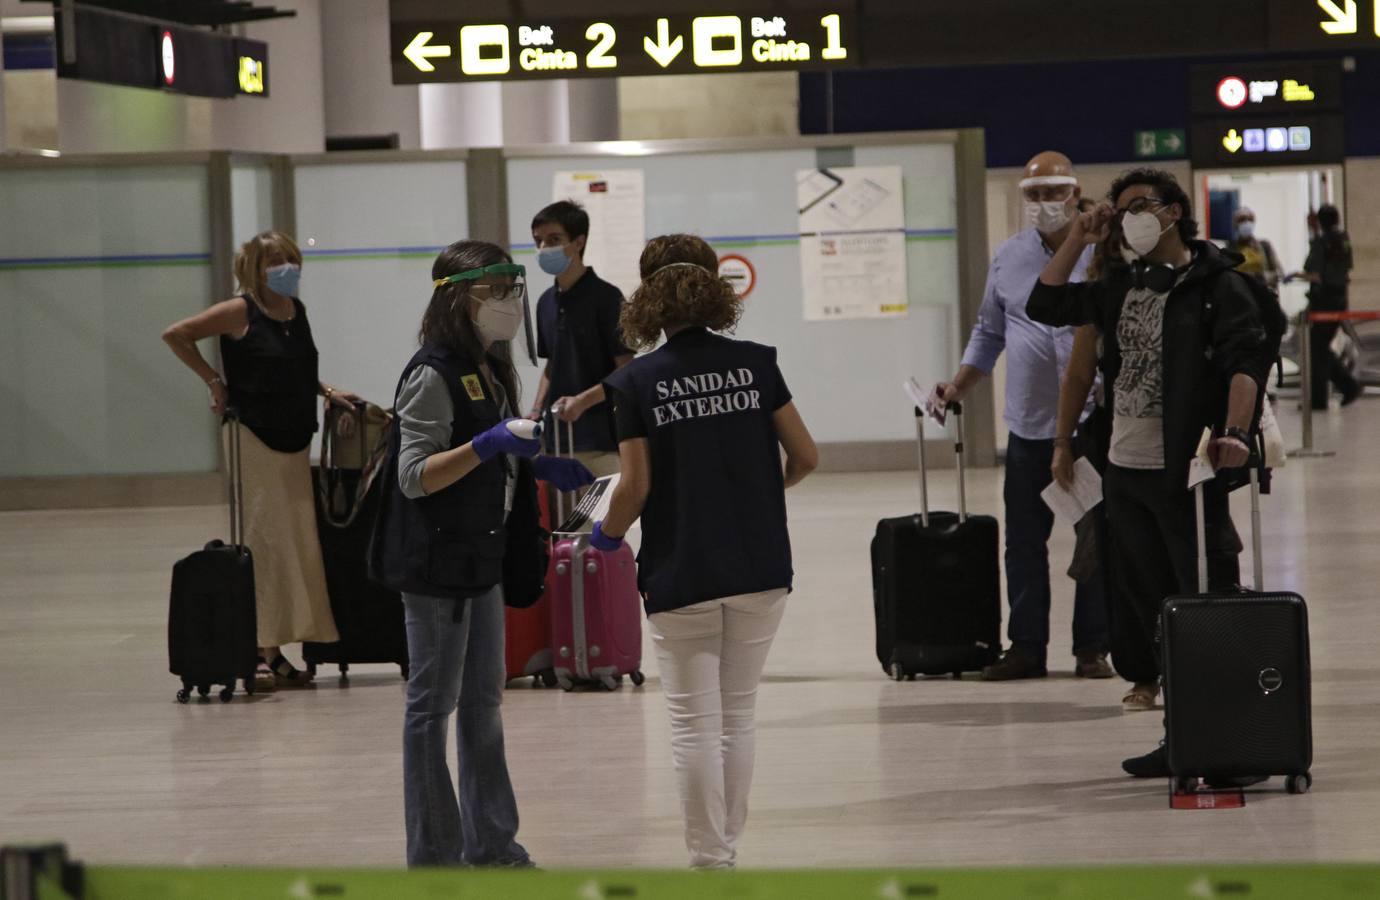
(455, 488)
(271, 383)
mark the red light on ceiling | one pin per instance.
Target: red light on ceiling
(169, 59)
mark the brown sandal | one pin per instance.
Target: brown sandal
(264, 680)
(286, 675)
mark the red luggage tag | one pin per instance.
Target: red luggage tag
(1206, 798)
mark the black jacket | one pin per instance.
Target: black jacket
(450, 543)
(1213, 330)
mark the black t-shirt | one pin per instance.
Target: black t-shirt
(715, 523)
(577, 330)
(271, 377)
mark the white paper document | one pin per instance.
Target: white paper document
(1073, 505)
(616, 201)
(594, 507)
(852, 242)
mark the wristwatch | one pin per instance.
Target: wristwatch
(1237, 433)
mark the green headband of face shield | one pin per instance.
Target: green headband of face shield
(475, 274)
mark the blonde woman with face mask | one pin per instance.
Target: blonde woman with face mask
(271, 383)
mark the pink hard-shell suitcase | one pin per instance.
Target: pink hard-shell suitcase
(596, 615)
(596, 609)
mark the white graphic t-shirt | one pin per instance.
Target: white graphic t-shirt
(1138, 414)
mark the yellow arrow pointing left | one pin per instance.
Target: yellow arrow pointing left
(417, 51)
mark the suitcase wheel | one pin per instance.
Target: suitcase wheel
(638, 679)
(1298, 784)
(204, 690)
(565, 683)
(897, 673)
(610, 682)
(311, 669)
(406, 671)
(344, 675)
(184, 695)
(227, 694)
(546, 678)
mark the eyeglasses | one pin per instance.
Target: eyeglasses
(1139, 205)
(499, 292)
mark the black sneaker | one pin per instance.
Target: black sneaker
(1154, 764)
(1013, 665)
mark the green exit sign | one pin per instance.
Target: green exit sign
(1160, 143)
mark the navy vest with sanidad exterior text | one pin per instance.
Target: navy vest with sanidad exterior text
(450, 543)
(715, 522)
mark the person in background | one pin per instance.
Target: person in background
(577, 335)
(1328, 272)
(702, 423)
(271, 384)
(1171, 369)
(450, 483)
(1258, 257)
(1036, 358)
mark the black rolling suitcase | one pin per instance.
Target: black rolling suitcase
(212, 619)
(368, 616)
(1237, 686)
(936, 583)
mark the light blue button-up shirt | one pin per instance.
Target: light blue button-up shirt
(1037, 355)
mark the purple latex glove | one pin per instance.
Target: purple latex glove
(564, 475)
(600, 541)
(500, 439)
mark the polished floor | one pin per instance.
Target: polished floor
(853, 770)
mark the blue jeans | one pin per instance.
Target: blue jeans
(457, 667)
(1029, 523)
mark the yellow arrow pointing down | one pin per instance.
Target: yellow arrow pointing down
(665, 50)
(417, 51)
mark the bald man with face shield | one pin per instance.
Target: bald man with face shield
(1036, 357)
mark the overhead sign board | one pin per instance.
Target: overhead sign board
(1258, 88)
(454, 50)
(117, 49)
(1265, 141)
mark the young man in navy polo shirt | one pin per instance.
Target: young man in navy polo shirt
(577, 335)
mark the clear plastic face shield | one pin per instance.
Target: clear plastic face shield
(504, 307)
(1049, 201)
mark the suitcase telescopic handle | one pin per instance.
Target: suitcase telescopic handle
(554, 413)
(236, 480)
(957, 409)
(1200, 523)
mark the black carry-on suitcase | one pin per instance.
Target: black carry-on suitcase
(212, 619)
(368, 616)
(936, 583)
(1236, 677)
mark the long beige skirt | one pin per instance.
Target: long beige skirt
(280, 531)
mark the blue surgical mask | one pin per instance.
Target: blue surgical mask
(284, 279)
(553, 260)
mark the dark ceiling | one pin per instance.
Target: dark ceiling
(192, 12)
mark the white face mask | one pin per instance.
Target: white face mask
(1246, 229)
(1142, 231)
(498, 320)
(1048, 216)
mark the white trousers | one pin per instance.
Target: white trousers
(711, 657)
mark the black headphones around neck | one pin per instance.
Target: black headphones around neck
(1158, 277)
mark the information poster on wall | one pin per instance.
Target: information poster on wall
(616, 203)
(852, 242)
